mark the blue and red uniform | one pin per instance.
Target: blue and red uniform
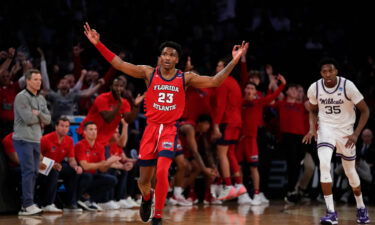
(164, 105)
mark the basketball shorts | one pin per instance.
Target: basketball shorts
(230, 134)
(247, 150)
(333, 137)
(157, 140)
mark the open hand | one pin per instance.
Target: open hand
(238, 50)
(352, 140)
(91, 34)
(307, 138)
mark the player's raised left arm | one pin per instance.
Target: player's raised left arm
(198, 81)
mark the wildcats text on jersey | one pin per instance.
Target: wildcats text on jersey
(330, 101)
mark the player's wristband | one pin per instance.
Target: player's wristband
(106, 53)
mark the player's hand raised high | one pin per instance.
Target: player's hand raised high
(239, 50)
(91, 34)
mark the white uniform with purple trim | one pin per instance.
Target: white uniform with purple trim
(337, 114)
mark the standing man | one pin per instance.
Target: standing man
(333, 100)
(165, 103)
(30, 116)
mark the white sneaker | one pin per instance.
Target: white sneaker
(263, 198)
(31, 210)
(131, 201)
(97, 206)
(111, 205)
(244, 199)
(241, 189)
(124, 204)
(181, 201)
(172, 201)
(227, 192)
(257, 200)
(51, 209)
(215, 190)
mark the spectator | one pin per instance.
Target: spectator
(58, 145)
(94, 181)
(30, 116)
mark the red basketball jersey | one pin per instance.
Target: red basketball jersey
(165, 99)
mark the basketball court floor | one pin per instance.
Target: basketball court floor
(277, 213)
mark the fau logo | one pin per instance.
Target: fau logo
(167, 145)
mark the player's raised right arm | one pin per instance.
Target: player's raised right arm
(116, 62)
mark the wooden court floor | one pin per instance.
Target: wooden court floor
(276, 213)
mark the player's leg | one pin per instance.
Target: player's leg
(146, 174)
(162, 184)
(349, 164)
(147, 162)
(325, 151)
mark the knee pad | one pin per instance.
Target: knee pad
(325, 155)
(351, 173)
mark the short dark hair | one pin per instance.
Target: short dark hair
(226, 60)
(62, 118)
(30, 72)
(326, 61)
(251, 83)
(204, 118)
(87, 124)
(291, 86)
(171, 44)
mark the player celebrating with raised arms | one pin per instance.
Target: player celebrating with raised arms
(164, 104)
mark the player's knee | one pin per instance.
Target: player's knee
(352, 176)
(325, 173)
(142, 182)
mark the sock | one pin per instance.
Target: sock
(227, 181)
(158, 213)
(177, 191)
(238, 180)
(359, 201)
(147, 197)
(256, 191)
(329, 202)
(161, 189)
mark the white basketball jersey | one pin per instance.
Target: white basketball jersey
(336, 105)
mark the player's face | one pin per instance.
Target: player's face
(91, 132)
(329, 73)
(63, 84)
(70, 79)
(4, 77)
(367, 136)
(220, 66)
(118, 86)
(292, 92)
(62, 128)
(35, 81)
(250, 91)
(168, 58)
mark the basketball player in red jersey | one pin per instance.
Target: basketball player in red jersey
(164, 104)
